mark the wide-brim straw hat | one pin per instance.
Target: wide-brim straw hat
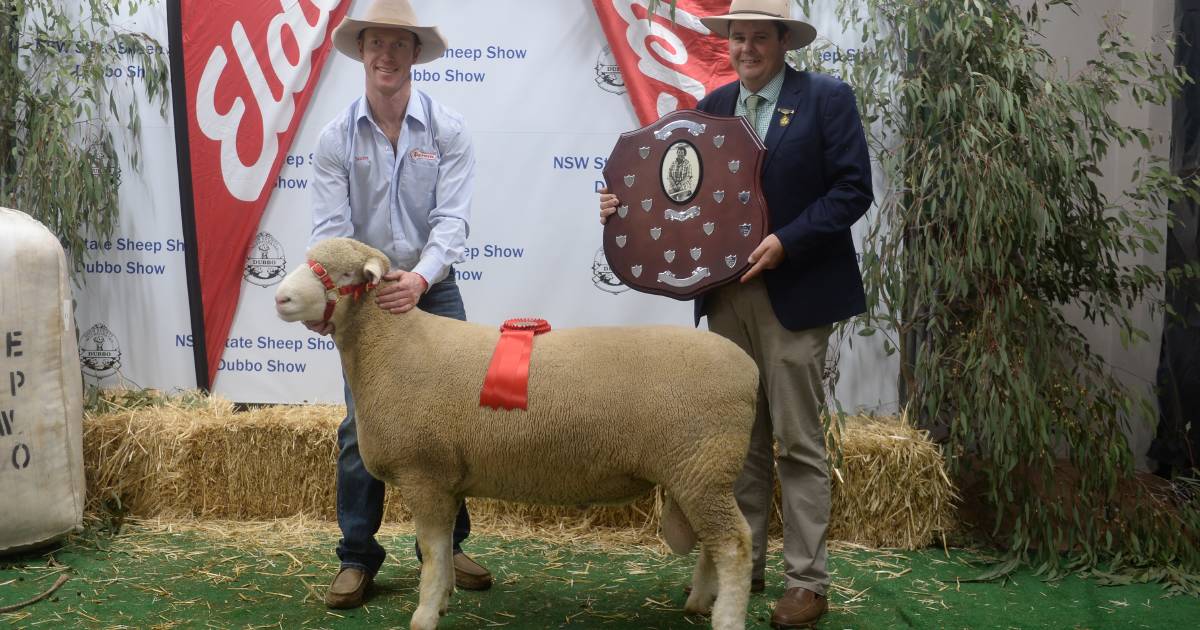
(802, 32)
(388, 14)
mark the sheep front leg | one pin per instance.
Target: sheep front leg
(434, 522)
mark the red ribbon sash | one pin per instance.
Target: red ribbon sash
(506, 385)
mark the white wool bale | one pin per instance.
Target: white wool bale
(41, 391)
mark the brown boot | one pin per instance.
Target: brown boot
(348, 588)
(798, 608)
(469, 575)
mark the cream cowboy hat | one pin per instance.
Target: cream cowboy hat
(388, 14)
(803, 33)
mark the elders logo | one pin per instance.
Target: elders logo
(608, 73)
(99, 352)
(666, 63)
(269, 114)
(265, 264)
(250, 69)
(603, 276)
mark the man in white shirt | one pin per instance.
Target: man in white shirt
(395, 170)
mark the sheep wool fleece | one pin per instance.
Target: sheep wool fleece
(682, 420)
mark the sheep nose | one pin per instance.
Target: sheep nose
(282, 299)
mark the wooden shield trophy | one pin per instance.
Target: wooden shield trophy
(691, 208)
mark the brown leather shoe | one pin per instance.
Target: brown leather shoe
(469, 575)
(798, 608)
(757, 585)
(348, 588)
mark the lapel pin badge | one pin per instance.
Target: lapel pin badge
(785, 116)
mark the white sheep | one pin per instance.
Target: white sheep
(611, 412)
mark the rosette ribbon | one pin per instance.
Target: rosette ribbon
(506, 385)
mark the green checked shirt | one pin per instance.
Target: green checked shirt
(766, 108)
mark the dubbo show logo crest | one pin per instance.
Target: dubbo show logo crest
(608, 73)
(99, 352)
(603, 276)
(265, 263)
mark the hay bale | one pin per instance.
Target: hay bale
(198, 457)
(207, 460)
(890, 487)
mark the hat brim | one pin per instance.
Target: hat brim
(345, 38)
(802, 33)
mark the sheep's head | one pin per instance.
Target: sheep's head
(302, 296)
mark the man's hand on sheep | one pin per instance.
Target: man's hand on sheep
(767, 255)
(400, 291)
(608, 205)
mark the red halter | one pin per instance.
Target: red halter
(333, 292)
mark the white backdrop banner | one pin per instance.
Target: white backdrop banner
(544, 103)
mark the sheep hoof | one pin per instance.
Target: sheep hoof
(732, 623)
(426, 618)
(699, 604)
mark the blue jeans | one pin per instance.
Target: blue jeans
(359, 495)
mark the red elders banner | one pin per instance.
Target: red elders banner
(666, 66)
(249, 69)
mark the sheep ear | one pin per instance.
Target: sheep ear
(374, 269)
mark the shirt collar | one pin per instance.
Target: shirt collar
(770, 91)
(414, 110)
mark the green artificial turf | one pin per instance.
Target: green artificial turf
(186, 577)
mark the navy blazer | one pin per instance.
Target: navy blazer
(817, 182)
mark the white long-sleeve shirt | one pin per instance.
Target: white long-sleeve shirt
(414, 202)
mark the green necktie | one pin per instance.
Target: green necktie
(752, 103)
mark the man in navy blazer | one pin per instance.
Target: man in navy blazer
(817, 182)
(803, 279)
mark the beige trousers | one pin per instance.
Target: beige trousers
(790, 397)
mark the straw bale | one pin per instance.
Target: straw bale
(890, 487)
(202, 458)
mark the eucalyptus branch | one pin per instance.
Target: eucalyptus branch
(58, 162)
(991, 221)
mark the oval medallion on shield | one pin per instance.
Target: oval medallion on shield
(681, 171)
